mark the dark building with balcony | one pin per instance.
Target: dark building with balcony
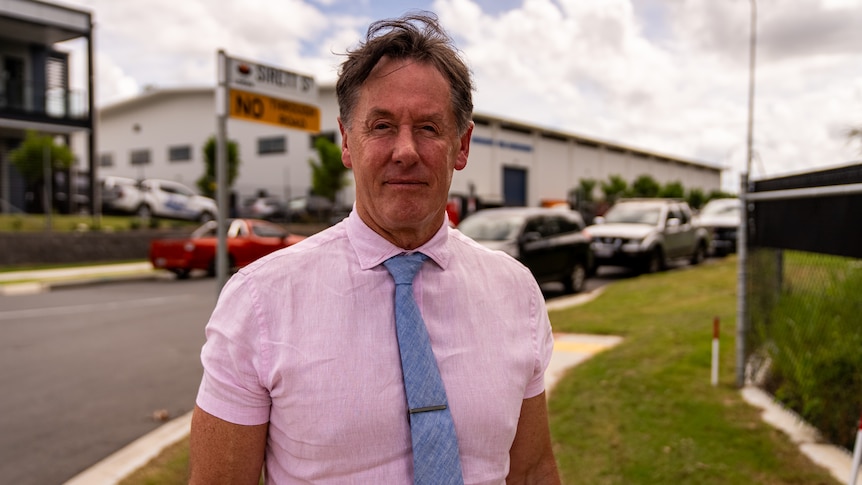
(35, 95)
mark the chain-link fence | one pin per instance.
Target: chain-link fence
(805, 336)
(802, 305)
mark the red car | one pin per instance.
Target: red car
(247, 240)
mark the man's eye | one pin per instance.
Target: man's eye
(429, 128)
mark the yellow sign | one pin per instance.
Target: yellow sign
(266, 109)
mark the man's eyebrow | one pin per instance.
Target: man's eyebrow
(385, 113)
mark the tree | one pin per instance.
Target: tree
(30, 161)
(645, 186)
(207, 182)
(855, 134)
(672, 190)
(29, 157)
(719, 194)
(327, 174)
(614, 188)
(696, 198)
(586, 187)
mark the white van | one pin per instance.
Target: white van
(120, 195)
(173, 200)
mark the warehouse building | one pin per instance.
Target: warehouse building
(161, 134)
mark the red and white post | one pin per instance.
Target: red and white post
(715, 352)
(857, 454)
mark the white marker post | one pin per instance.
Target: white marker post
(715, 351)
(857, 455)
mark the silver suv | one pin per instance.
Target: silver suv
(646, 234)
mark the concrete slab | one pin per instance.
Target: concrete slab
(838, 461)
(572, 349)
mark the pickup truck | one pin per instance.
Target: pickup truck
(646, 234)
(247, 240)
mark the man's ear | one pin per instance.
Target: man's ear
(345, 151)
(464, 151)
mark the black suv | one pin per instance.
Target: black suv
(549, 242)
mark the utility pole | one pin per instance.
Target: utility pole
(742, 233)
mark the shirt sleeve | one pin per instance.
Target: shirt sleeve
(543, 339)
(231, 388)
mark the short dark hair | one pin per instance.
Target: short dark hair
(416, 36)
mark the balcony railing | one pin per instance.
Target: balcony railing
(18, 98)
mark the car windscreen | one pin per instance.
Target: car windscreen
(634, 214)
(721, 210)
(491, 227)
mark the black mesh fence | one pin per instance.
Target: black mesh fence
(803, 298)
(804, 339)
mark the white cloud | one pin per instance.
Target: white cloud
(670, 77)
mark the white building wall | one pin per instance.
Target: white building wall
(554, 171)
(554, 162)
(187, 117)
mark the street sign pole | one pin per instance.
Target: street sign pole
(221, 171)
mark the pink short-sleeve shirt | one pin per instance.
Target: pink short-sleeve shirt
(304, 339)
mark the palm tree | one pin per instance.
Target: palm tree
(855, 133)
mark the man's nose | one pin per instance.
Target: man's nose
(405, 150)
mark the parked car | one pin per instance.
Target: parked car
(646, 234)
(173, 200)
(549, 242)
(120, 195)
(721, 218)
(266, 207)
(310, 208)
(247, 240)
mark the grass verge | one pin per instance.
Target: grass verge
(74, 222)
(171, 466)
(645, 412)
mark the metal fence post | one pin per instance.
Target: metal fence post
(742, 283)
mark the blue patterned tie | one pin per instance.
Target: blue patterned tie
(435, 446)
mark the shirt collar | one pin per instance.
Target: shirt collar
(372, 249)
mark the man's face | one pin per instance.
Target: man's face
(403, 146)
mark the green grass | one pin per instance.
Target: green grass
(645, 412)
(813, 339)
(68, 223)
(171, 466)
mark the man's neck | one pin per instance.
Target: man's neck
(407, 238)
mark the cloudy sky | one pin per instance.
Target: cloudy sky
(669, 76)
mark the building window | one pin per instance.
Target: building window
(180, 153)
(106, 160)
(329, 135)
(140, 157)
(273, 144)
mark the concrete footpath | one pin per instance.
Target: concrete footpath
(569, 350)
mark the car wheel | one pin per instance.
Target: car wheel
(699, 253)
(575, 280)
(182, 274)
(206, 217)
(655, 261)
(144, 212)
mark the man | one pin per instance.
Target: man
(301, 366)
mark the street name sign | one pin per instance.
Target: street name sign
(267, 94)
